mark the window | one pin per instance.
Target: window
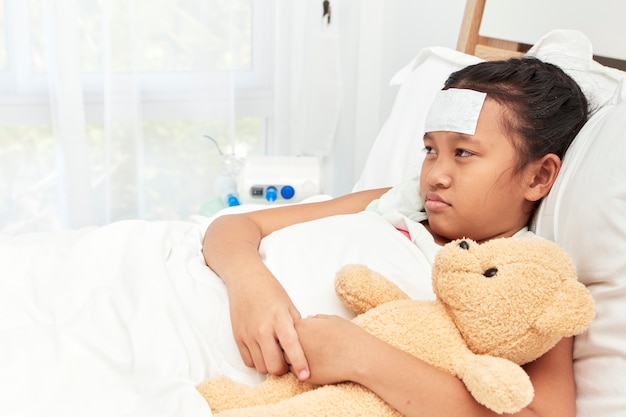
(3, 39)
(154, 77)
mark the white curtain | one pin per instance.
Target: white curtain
(63, 67)
(316, 76)
(105, 105)
(167, 73)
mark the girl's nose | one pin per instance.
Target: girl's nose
(437, 174)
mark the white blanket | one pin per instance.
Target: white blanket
(125, 319)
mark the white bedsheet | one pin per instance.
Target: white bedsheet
(90, 325)
(125, 319)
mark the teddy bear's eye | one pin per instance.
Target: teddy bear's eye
(491, 272)
(464, 245)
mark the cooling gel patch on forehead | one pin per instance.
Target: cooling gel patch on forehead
(455, 110)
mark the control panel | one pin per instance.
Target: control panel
(278, 179)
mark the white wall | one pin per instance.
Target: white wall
(606, 31)
(384, 38)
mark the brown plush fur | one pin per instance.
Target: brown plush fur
(480, 329)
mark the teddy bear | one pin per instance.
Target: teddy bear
(499, 304)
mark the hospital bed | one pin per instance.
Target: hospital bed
(125, 319)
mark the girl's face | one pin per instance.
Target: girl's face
(468, 182)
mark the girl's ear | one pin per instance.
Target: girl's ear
(540, 175)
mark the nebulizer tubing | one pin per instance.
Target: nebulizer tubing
(226, 182)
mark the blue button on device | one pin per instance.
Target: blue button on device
(271, 194)
(287, 192)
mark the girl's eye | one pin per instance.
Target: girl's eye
(463, 153)
(428, 150)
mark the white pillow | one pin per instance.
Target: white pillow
(396, 153)
(572, 51)
(585, 212)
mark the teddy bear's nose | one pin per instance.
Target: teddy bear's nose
(464, 245)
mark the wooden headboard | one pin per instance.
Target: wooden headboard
(471, 42)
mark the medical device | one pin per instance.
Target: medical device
(278, 179)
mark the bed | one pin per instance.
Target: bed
(125, 319)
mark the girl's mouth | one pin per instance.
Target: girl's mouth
(434, 202)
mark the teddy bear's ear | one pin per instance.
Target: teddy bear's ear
(361, 289)
(570, 312)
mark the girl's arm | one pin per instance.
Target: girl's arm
(261, 311)
(338, 350)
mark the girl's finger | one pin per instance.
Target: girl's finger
(294, 352)
(258, 358)
(245, 354)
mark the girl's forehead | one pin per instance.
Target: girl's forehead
(455, 110)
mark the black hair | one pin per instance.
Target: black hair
(545, 107)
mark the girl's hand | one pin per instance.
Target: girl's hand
(263, 317)
(262, 313)
(333, 347)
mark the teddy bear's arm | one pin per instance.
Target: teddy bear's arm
(497, 383)
(361, 288)
(340, 400)
(425, 330)
(222, 393)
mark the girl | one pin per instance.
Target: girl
(495, 137)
